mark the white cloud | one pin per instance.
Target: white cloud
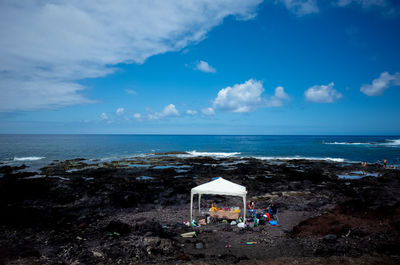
(120, 111)
(168, 111)
(278, 99)
(380, 84)
(247, 97)
(322, 94)
(137, 116)
(240, 97)
(130, 91)
(301, 7)
(47, 46)
(205, 67)
(103, 116)
(208, 111)
(191, 112)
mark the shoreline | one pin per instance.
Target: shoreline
(69, 210)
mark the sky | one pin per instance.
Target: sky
(200, 67)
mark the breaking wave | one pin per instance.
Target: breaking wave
(286, 158)
(212, 154)
(390, 143)
(28, 158)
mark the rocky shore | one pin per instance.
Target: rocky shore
(132, 211)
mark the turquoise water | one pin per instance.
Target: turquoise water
(43, 149)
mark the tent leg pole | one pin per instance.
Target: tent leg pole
(244, 209)
(191, 206)
(199, 202)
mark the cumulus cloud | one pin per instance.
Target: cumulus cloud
(380, 84)
(240, 97)
(120, 111)
(277, 100)
(301, 7)
(191, 112)
(137, 116)
(322, 94)
(47, 46)
(208, 111)
(168, 111)
(247, 96)
(205, 67)
(103, 116)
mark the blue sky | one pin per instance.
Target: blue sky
(203, 67)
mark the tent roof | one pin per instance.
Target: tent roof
(220, 186)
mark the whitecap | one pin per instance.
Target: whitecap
(195, 153)
(286, 158)
(29, 158)
(389, 143)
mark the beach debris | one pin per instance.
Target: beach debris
(228, 246)
(251, 243)
(189, 234)
(273, 222)
(233, 223)
(194, 224)
(241, 225)
(202, 222)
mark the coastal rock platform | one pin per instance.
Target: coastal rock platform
(131, 211)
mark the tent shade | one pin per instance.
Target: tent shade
(219, 186)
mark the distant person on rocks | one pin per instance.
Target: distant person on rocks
(384, 163)
(272, 210)
(252, 206)
(364, 164)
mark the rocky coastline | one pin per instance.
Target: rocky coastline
(131, 211)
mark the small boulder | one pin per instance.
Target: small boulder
(331, 238)
(199, 245)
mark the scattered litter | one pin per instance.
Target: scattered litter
(194, 224)
(233, 223)
(251, 243)
(273, 222)
(228, 246)
(202, 222)
(113, 234)
(241, 225)
(189, 234)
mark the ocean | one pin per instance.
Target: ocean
(39, 150)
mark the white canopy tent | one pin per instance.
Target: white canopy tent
(219, 186)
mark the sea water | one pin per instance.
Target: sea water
(39, 150)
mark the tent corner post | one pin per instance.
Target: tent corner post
(199, 201)
(244, 209)
(191, 206)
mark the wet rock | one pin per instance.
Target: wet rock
(330, 238)
(118, 227)
(199, 245)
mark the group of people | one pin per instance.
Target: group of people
(385, 164)
(270, 212)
